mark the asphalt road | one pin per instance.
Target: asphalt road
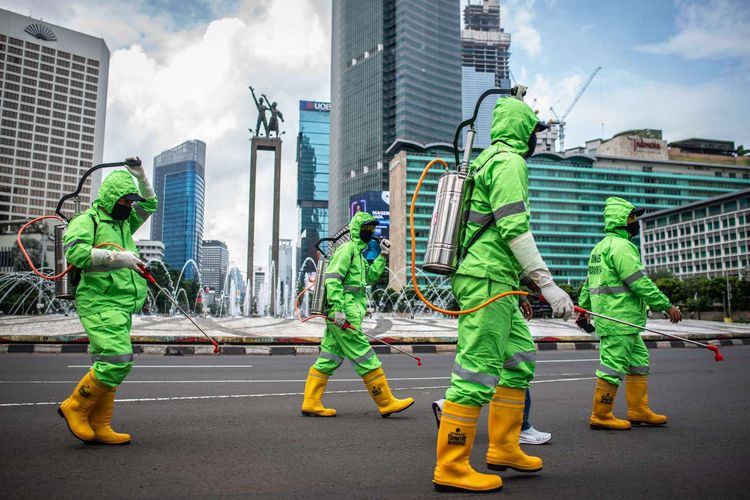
(230, 426)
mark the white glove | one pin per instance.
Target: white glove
(560, 301)
(339, 319)
(526, 253)
(109, 260)
(385, 247)
(137, 171)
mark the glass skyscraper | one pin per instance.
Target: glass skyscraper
(395, 74)
(179, 182)
(313, 146)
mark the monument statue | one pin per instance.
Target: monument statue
(262, 108)
(273, 124)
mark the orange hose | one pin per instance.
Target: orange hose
(296, 307)
(414, 255)
(51, 277)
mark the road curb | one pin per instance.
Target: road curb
(309, 350)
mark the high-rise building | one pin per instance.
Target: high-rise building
(484, 63)
(179, 182)
(285, 272)
(395, 74)
(567, 195)
(54, 96)
(150, 250)
(312, 177)
(214, 264)
(704, 238)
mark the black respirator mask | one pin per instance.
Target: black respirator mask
(121, 212)
(531, 145)
(631, 228)
(366, 236)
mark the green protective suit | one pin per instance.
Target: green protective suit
(617, 286)
(105, 300)
(346, 277)
(495, 346)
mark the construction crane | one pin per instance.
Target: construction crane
(560, 121)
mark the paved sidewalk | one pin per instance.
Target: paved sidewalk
(256, 335)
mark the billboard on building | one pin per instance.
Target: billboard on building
(377, 203)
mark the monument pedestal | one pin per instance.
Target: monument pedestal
(265, 144)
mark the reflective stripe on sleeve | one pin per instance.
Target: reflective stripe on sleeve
(639, 370)
(478, 218)
(518, 207)
(601, 290)
(121, 358)
(72, 244)
(354, 289)
(610, 371)
(520, 357)
(634, 277)
(333, 276)
(479, 378)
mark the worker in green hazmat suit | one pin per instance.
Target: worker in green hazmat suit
(346, 277)
(110, 290)
(617, 286)
(495, 355)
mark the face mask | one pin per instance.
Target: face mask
(365, 236)
(631, 228)
(121, 212)
(531, 145)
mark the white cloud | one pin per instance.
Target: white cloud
(714, 29)
(518, 17)
(617, 100)
(171, 83)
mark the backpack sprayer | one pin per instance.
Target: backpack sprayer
(67, 277)
(445, 247)
(318, 305)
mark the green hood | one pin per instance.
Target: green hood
(513, 121)
(616, 212)
(359, 219)
(115, 186)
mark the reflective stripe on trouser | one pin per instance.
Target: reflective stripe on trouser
(494, 344)
(109, 345)
(338, 344)
(620, 355)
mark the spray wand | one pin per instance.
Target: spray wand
(713, 348)
(146, 273)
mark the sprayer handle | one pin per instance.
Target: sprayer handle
(146, 273)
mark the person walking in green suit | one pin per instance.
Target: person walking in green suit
(109, 292)
(617, 286)
(346, 277)
(495, 355)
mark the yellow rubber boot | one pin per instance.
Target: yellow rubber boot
(312, 404)
(504, 425)
(76, 409)
(601, 415)
(636, 392)
(453, 472)
(377, 386)
(100, 421)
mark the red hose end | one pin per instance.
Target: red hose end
(579, 310)
(717, 354)
(419, 361)
(216, 348)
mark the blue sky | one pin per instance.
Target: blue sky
(677, 65)
(180, 69)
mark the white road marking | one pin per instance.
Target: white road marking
(174, 366)
(275, 394)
